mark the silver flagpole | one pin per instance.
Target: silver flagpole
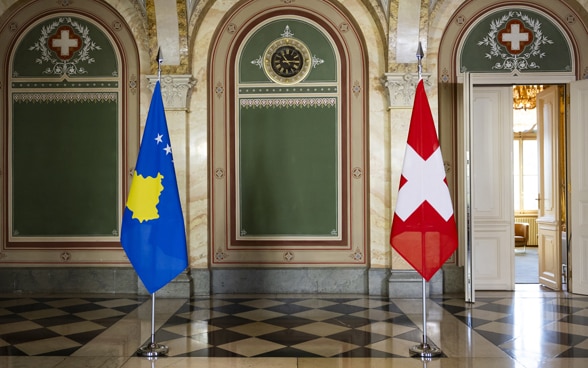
(423, 350)
(153, 349)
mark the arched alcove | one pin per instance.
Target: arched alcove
(70, 105)
(288, 153)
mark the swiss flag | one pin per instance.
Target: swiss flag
(423, 229)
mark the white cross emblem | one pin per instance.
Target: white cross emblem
(425, 181)
(65, 42)
(515, 37)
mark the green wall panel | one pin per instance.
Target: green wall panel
(288, 170)
(65, 168)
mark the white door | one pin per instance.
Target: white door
(548, 216)
(485, 160)
(492, 210)
(578, 187)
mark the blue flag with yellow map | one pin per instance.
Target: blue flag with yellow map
(152, 232)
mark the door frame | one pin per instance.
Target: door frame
(468, 82)
(577, 233)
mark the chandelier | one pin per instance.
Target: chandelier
(524, 97)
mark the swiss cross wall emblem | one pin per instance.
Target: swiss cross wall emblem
(515, 40)
(65, 42)
(515, 37)
(65, 46)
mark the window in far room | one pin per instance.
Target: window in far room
(525, 164)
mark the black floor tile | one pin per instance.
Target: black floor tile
(233, 308)
(495, 338)
(343, 308)
(59, 320)
(288, 337)
(288, 321)
(221, 337)
(561, 338)
(288, 352)
(576, 320)
(349, 321)
(81, 308)
(288, 308)
(228, 321)
(363, 352)
(28, 336)
(25, 308)
(357, 337)
(212, 352)
(11, 351)
(574, 353)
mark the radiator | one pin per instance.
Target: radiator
(532, 221)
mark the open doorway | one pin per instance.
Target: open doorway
(488, 182)
(539, 180)
(525, 183)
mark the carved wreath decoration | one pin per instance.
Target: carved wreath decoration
(509, 61)
(71, 66)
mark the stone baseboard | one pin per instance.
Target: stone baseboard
(408, 284)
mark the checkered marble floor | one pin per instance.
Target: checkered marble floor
(290, 327)
(528, 328)
(553, 326)
(56, 325)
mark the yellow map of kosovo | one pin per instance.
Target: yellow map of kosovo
(144, 196)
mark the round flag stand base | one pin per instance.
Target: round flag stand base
(152, 349)
(425, 351)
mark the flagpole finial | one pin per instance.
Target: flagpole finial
(159, 61)
(420, 54)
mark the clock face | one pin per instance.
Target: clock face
(287, 61)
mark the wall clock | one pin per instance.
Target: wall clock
(287, 60)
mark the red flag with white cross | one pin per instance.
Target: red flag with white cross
(423, 232)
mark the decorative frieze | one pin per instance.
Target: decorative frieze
(402, 87)
(175, 90)
(288, 102)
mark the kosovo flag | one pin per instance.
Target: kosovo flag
(152, 232)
